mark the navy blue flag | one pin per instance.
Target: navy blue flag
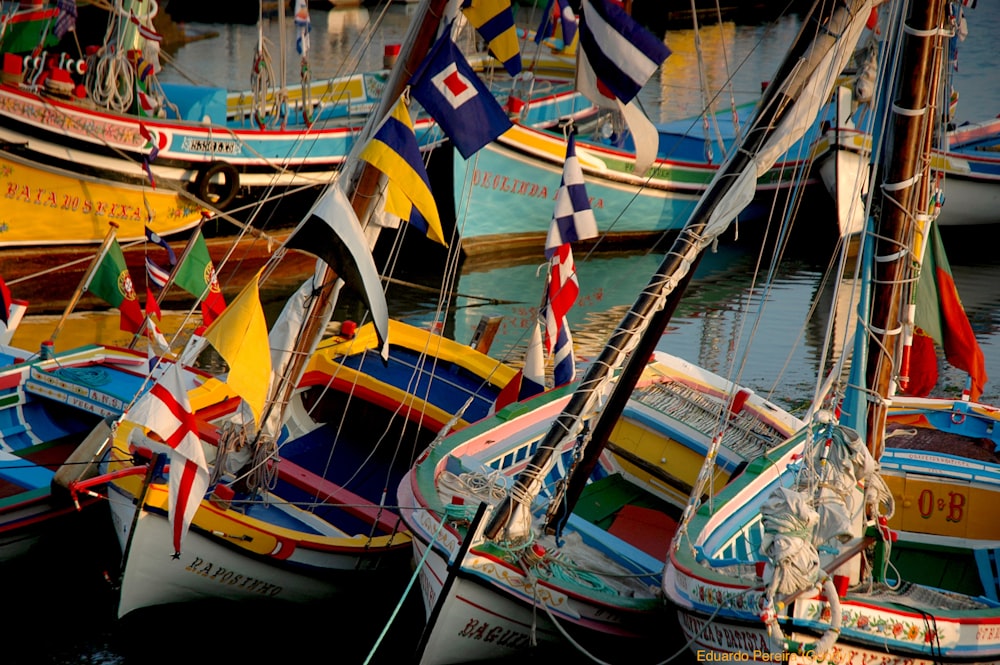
(617, 50)
(449, 90)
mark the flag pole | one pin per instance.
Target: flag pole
(84, 283)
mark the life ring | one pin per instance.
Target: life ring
(217, 184)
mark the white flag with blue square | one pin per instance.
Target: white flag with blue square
(573, 218)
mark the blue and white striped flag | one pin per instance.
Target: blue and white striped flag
(617, 50)
(573, 219)
(154, 272)
(563, 359)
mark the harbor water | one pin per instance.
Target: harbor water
(59, 604)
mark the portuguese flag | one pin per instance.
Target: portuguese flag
(111, 282)
(196, 275)
(941, 318)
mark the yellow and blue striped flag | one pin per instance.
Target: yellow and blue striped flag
(494, 21)
(393, 150)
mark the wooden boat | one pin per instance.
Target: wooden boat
(523, 167)
(291, 467)
(51, 404)
(544, 567)
(225, 149)
(893, 560)
(322, 528)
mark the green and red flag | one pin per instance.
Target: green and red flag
(196, 275)
(112, 283)
(940, 318)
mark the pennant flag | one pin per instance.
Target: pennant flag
(573, 219)
(617, 50)
(615, 59)
(196, 275)
(154, 272)
(393, 150)
(153, 317)
(332, 232)
(240, 337)
(153, 237)
(494, 21)
(563, 359)
(558, 21)
(66, 22)
(303, 25)
(112, 283)
(940, 317)
(5, 303)
(533, 374)
(166, 410)
(448, 89)
(563, 289)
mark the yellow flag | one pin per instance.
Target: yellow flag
(239, 334)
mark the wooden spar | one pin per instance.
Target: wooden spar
(643, 325)
(912, 122)
(418, 43)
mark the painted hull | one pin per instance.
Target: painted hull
(322, 528)
(968, 173)
(508, 189)
(48, 408)
(227, 160)
(497, 600)
(48, 206)
(945, 522)
(209, 569)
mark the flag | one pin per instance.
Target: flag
(941, 318)
(196, 275)
(154, 272)
(332, 232)
(563, 289)
(558, 21)
(239, 335)
(573, 219)
(448, 89)
(494, 21)
(393, 150)
(5, 303)
(166, 410)
(111, 282)
(303, 26)
(615, 59)
(66, 22)
(153, 237)
(533, 374)
(530, 379)
(153, 317)
(617, 50)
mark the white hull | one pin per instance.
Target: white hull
(207, 569)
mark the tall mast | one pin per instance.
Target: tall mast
(365, 179)
(905, 179)
(825, 40)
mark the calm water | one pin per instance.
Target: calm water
(59, 607)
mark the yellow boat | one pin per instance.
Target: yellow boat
(50, 206)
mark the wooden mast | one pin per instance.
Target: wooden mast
(905, 178)
(366, 180)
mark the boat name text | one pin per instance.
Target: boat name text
(502, 183)
(224, 576)
(211, 146)
(503, 637)
(52, 199)
(745, 641)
